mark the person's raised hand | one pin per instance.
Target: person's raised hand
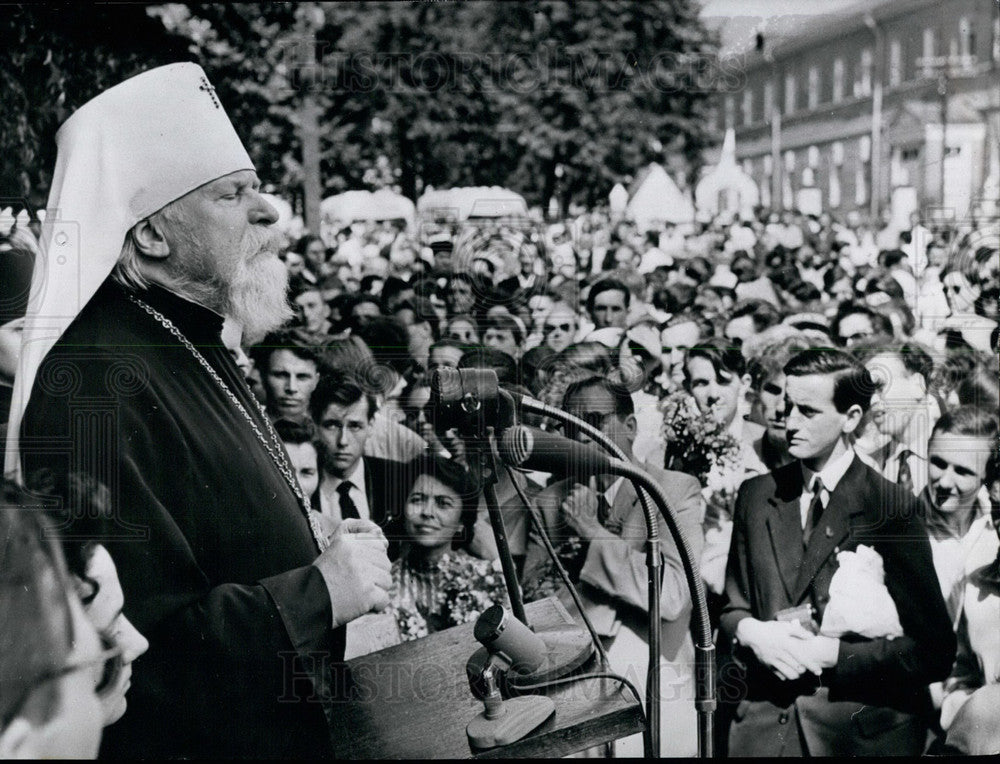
(356, 570)
(580, 513)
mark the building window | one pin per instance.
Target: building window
(860, 184)
(895, 63)
(995, 42)
(838, 80)
(928, 53)
(747, 107)
(834, 194)
(789, 93)
(730, 114)
(789, 162)
(966, 42)
(863, 83)
(813, 87)
(768, 99)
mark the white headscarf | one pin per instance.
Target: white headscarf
(122, 156)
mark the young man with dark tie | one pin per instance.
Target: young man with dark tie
(794, 692)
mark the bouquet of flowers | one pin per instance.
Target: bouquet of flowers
(462, 587)
(546, 581)
(701, 446)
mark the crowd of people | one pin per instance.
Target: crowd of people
(818, 398)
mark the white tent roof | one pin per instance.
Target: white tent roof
(383, 204)
(657, 199)
(726, 188)
(472, 202)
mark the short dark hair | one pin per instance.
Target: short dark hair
(914, 356)
(504, 324)
(880, 322)
(852, 385)
(607, 285)
(624, 405)
(341, 388)
(764, 314)
(291, 340)
(295, 431)
(968, 420)
(490, 358)
(389, 342)
(721, 354)
(458, 479)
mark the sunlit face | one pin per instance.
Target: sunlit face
(432, 515)
(559, 328)
(855, 327)
(539, 305)
(899, 395)
(305, 462)
(502, 339)
(105, 613)
(365, 311)
(960, 292)
(289, 382)
(294, 263)
(716, 393)
(316, 253)
(609, 309)
(772, 403)
(312, 310)
(596, 406)
(676, 340)
(444, 357)
(813, 425)
(344, 431)
(463, 330)
(956, 470)
(459, 297)
(220, 241)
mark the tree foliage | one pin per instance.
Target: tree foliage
(548, 98)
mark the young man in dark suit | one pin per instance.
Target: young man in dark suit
(352, 484)
(795, 692)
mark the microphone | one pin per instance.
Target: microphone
(535, 449)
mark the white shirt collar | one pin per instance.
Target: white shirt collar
(356, 478)
(831, 474)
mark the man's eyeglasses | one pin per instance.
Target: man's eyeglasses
(110, 660)
(595, 419)
(565, 328)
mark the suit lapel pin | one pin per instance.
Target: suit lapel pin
(829, 532)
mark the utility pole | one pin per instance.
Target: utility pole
(946, 68)
(878, 77)
(310, 21)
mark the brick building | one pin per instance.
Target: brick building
(852, 104)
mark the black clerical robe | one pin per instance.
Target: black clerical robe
(212, 547)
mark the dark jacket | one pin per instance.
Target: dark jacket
(212, 548)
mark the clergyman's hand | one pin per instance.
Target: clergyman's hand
(356, 570)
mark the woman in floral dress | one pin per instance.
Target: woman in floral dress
(436, 583)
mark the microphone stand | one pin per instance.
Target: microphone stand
(704, 647)
(483, 459)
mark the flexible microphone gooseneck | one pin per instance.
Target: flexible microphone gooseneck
(531, 448)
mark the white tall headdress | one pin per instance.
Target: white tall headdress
(121, 157)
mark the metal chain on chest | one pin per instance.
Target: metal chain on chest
(277, 452)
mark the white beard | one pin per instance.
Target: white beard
(255, 296)
(251, 289)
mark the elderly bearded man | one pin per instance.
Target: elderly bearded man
(241, 595)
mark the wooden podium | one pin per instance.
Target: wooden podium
(413, 701)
